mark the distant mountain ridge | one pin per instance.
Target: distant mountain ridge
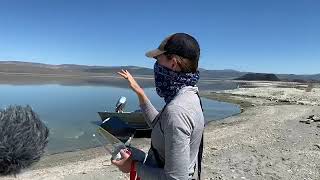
(31, 67)
(221, 74)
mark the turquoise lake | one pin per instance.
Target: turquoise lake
(70, 112)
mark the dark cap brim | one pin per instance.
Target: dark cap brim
(154, 53)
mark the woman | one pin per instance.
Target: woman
(177, 130)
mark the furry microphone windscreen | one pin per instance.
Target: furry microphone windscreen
(23, 138)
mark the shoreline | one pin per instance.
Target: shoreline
(58, 159)
(266, 141)
(100, 80)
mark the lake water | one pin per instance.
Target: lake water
(70, 112)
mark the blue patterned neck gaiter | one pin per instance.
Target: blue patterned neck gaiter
(169, 82)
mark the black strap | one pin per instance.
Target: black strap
(200, 152)
(160, 163)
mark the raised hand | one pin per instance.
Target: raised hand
(132, 82)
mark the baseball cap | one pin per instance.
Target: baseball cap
(180, 44)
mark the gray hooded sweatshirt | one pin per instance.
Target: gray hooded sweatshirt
(176, 135)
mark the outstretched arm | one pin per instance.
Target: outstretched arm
(147, 108)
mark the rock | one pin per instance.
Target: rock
(269, 164)
(284, 100)
(106, 163)
(316, 118)
(310, 117)
(214, 148)
(317, 145)
(318, 126)
(308, 121)
(285, 158)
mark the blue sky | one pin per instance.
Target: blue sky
(278, 36)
